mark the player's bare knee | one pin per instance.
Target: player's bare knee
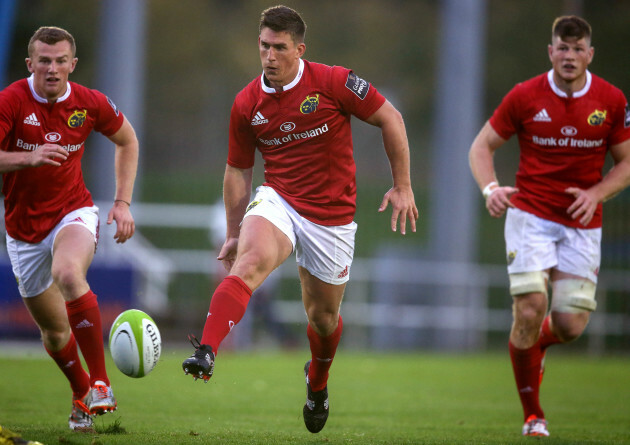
(253, 271)
(569, 333)
(68, 279)
(323, 322)
(55, 339)
(569, 326)
(529, 308)
(527, 324)
(529, 319)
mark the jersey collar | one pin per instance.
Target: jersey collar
(559, 92)
(293, 83)
(43, 100)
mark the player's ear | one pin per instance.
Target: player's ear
(29, 64)
(301, 48)
(74, 64)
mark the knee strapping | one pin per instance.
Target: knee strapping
(573, 296)
(528, 282)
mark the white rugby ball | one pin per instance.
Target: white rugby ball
(135, 343)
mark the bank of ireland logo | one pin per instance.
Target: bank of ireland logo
(52, 137)
(309, 105)
(77, 119)
(287, 126)
(597, 118)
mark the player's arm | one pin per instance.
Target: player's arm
(125, 166)
(617, 179)
(237, 187)
(396, 145)
(46, 154)
(481, 158)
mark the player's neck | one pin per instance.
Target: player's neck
(287, 81)
(570, 86)
(51, 99)
(278, 89)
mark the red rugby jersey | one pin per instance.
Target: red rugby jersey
(563, 141)
(36, 199)
(304, 136)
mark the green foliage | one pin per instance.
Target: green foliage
(382, 398)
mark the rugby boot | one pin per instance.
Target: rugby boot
(535, 427)
(80, 418)
(101, 399)
(201, 364)
(315, 410)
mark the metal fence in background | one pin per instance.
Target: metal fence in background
(393, 301)
(391, 297)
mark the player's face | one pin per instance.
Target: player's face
(569, 59)
(280, 56)
(51, 66)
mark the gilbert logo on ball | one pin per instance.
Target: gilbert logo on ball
(135, 343)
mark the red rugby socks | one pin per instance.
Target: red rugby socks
(526, 365)
(322, 353)
(547, 338)
(85, 322)
(69, 362)
(227, 308)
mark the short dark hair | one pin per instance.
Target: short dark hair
(51, 35)
(283, 19)
(571, 26)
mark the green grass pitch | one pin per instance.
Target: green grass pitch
(257, 398)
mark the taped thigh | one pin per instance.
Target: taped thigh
(528, 282)
(573, 296)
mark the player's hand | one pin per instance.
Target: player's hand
(48, 154)
(584, 206)
(125, 225)
(403, 207)
(227, 255)
(499, 200)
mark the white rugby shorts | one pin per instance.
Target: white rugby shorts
(32, 263)
(325, 251)
(535, 244)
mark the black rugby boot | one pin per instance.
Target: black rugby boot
(316, 407)
(201, 364)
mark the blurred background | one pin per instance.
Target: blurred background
(174, 68)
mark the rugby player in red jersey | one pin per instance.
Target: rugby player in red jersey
(297, 114)
(567, 120)
(50, 218)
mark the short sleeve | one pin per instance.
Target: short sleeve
(621, 128)
(7, 115)
(242, 145)
(505, 120)
(355, 95)
(110, 119)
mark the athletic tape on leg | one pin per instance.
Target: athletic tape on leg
(573, 296)
(528, 282)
